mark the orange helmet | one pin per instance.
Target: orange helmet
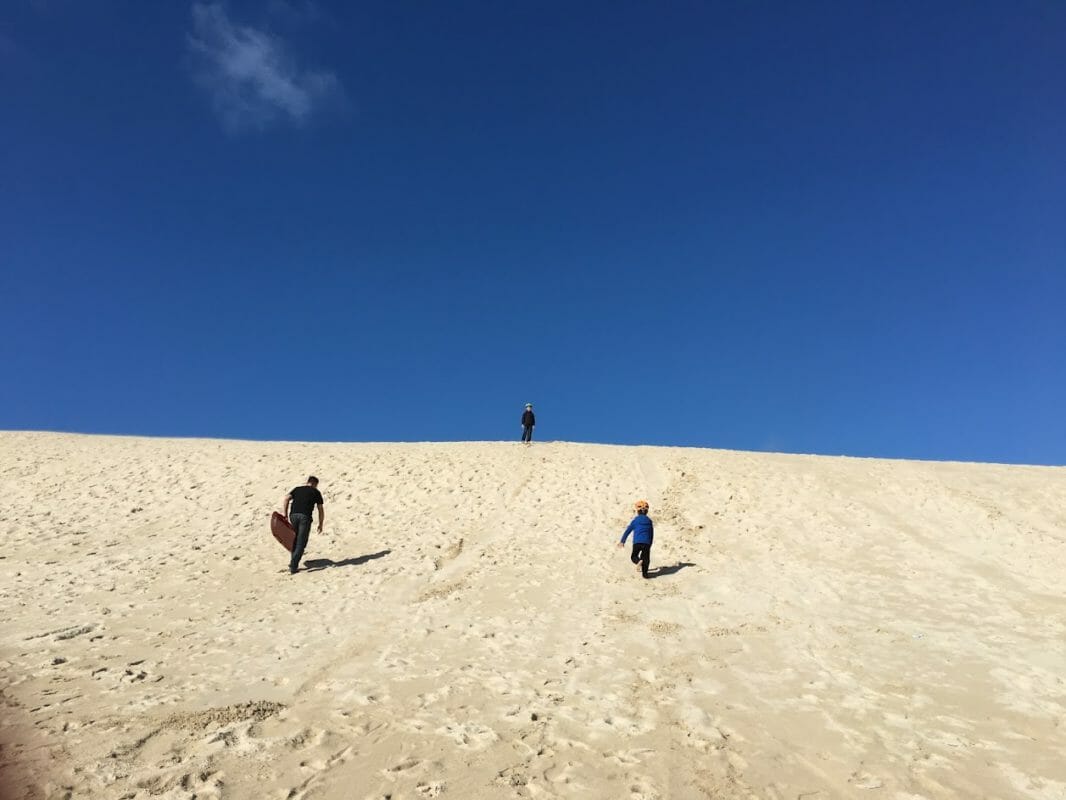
(641, 505)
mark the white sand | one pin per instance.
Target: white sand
(837, 627)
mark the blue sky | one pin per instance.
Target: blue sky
(807, 227)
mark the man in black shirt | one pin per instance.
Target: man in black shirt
(528, 421)
(303, 499)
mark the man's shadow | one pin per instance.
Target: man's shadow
(659, 572)
(315, 564)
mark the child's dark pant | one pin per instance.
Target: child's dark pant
(642, 553)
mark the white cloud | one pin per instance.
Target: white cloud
(250, 75)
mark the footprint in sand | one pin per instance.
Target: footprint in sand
(663, 628)
(864, 780)
(451, 553)
(627, 758)
(403, 766)
(641, 789)
(469, 735)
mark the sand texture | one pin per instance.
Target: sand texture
(466, 628)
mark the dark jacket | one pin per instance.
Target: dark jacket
(528, 420)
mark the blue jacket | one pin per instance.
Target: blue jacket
(642, 529)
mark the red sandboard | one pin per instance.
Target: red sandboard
(282, 530)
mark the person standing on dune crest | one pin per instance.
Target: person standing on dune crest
(528, 421)
(302, 499)
(643, 534)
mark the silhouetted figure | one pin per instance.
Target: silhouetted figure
(528, 421)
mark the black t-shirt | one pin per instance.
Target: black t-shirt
(304, 498)
(528, 420)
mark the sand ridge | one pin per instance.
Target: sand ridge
(815, 627)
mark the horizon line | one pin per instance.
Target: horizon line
(57, 432)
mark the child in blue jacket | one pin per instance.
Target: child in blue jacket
(643, 533)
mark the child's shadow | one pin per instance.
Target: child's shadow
(315, 564)
(659, 572)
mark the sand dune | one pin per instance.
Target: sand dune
(816, 627)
